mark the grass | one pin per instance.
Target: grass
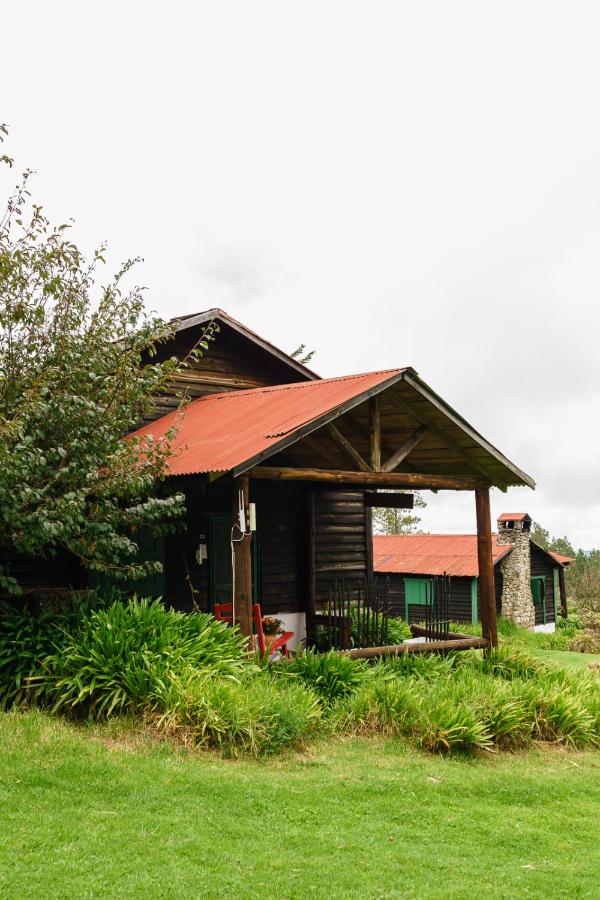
(567, 658)
(103, 811)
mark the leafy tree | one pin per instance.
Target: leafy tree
(540, 535)
(77, 372)
(398, 521)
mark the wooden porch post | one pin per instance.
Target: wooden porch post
(375, 434)
(487, 593)
(563, 592)
(242, 559)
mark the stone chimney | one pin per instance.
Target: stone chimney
(517, 600)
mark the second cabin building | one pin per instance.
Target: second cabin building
(529, 581)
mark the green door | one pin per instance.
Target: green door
(219, 561)
(538, 591)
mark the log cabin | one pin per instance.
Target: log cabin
(529, 580)
(303, 457)
(281, 470)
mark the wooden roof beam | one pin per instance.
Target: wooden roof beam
(400, 455)
(424, 418)
(367, 479)
(343, 442)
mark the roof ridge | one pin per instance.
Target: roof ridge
(268, 388)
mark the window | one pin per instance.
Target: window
(418, 591)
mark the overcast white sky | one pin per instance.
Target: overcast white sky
(393, 183)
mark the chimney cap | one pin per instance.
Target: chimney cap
(514, 517)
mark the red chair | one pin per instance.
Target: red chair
(224, 613)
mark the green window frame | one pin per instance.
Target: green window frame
(417, 592)
(538, 592)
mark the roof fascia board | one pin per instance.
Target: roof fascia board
(415, 382)
(219, 314)
(547, 553)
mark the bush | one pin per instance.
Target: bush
(115, 658)
(570, 624)
(253, 715)
(449, 725)
(397, 631)
(330, 675)
(28, 636)
(386, 705)
(559, 716)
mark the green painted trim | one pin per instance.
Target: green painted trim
(474, 616)
(556, 582)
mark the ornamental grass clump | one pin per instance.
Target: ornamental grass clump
(384, 705)
(330, 675)
(115, 659)
(255, 714)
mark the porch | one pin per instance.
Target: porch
(331, 446)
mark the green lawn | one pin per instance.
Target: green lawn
(91, 813)
(567, 658)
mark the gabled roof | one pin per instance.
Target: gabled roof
(561, 558)
(219, 315)
(234, 430)
(439, 554)
(431, 554)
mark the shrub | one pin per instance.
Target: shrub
(496, 704)
(28, 636)
(113, 661)
(508, 663)
(449, 725)
(558, 715)
(422, 666)
(253, 715)
(397, 630)
(570, 624)
(383, 704)
(330, 675)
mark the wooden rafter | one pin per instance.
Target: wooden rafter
(343, 442)
(425, 418)
(400, 455)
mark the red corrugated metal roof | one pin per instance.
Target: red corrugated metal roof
(513, 517)
(222, 431)
(561, 558)
(431, 554)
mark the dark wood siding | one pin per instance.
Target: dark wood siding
(283, 535)
(231, 363)
(281, 553)
(460, 599)
(39, 577)
(340, 539)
